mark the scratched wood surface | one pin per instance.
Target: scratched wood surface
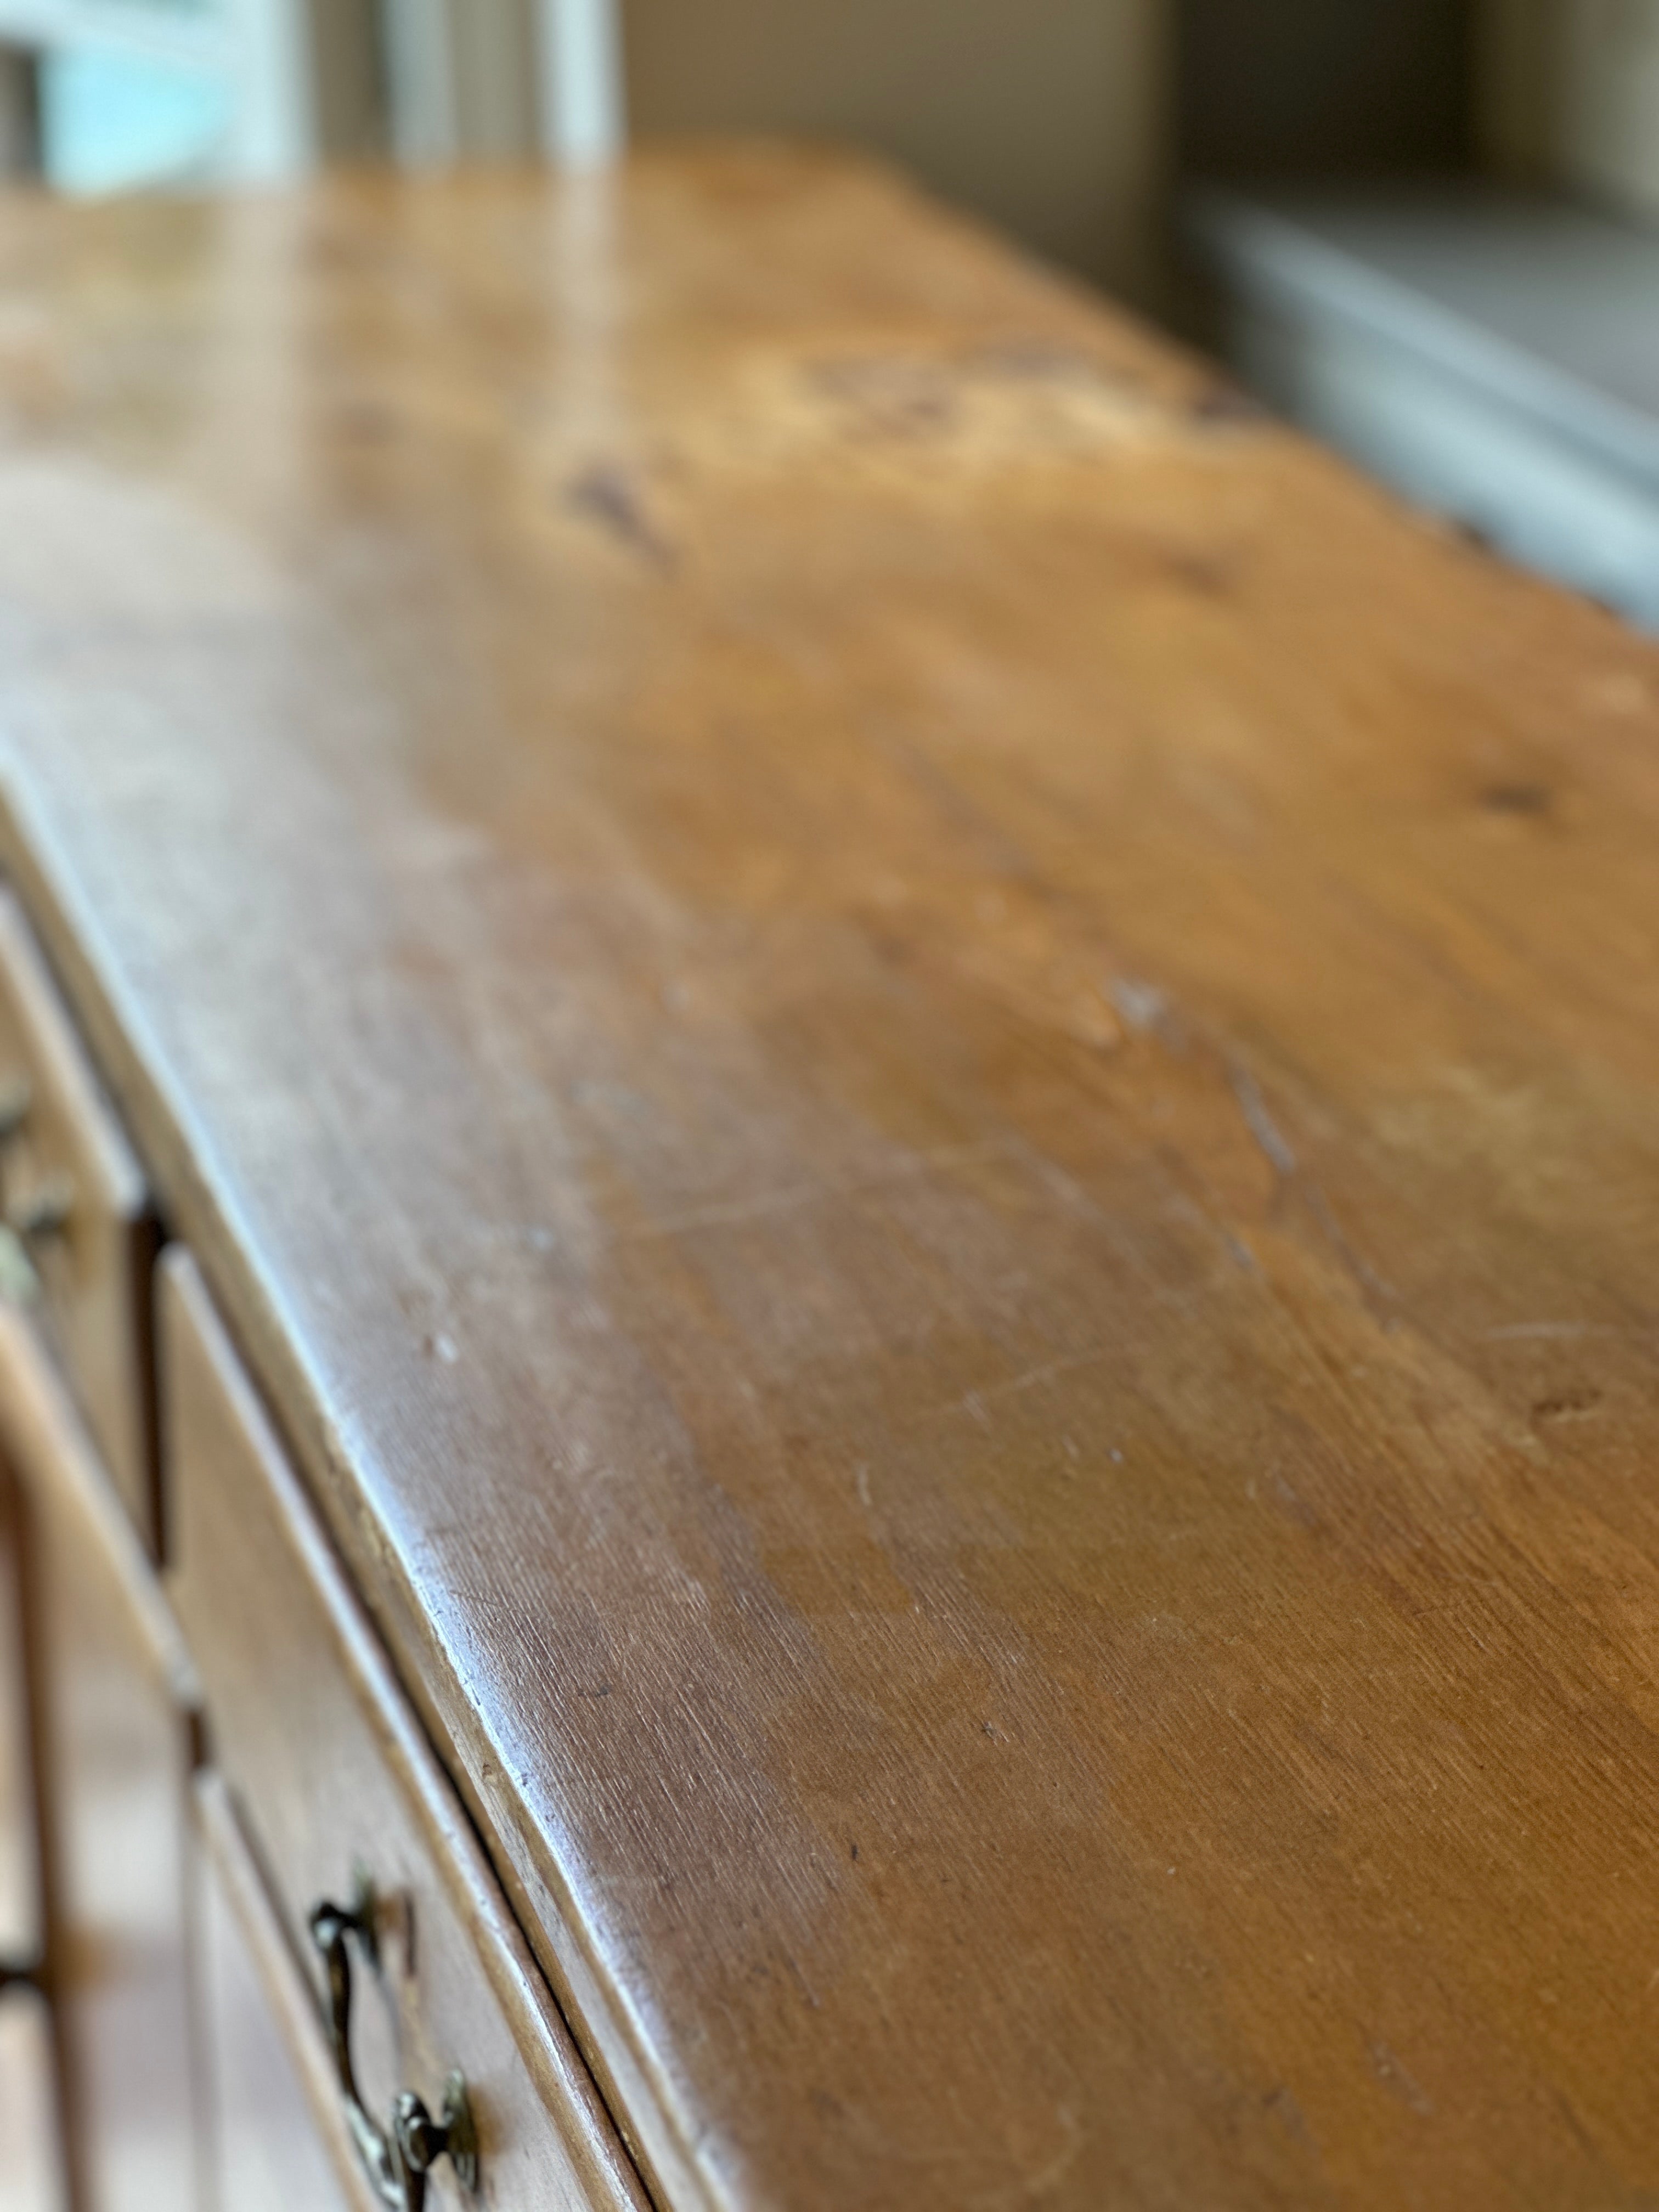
(928, 1075)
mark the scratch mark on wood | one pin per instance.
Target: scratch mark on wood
(976, 1403)
(1277, 1149)
(1270, 1139)
(1549, 1332)
(1395, 2078)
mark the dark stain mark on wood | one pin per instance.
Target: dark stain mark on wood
(1224, 405)
(1211, 575)
(890, 395)
(608, 495)
(1581, 1405)
(1518, 798)
(1284, 2108)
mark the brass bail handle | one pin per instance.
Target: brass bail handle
(20, 1974)
(396, 2164)
(421, 2140)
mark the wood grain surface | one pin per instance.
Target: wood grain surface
(116, 1700)
(927, 1075)
(64, 1161)
(277, 2135)
(334, 1782)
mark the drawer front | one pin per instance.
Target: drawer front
(31, 2178)
(79, 1240)
(275, 2136)
(344, 1802)
(114, 1700)
(20, 1908)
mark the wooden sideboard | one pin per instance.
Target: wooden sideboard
(830, 1129)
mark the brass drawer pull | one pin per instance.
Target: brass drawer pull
(20, 1973)
(422, 2141)
(398, 2163)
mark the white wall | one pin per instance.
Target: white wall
(1610, 110)
(1050, 116)
(1514, 82)
(1572, 92)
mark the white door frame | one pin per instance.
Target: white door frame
(583, 104)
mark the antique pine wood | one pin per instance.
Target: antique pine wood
(92, 1267)
(28, 2120)
(927, 1077)
(333, 1777)
(20, 1886)
(277, 2135)
(116, 1698)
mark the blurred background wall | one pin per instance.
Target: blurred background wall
(1075, 124)
(1575, 93)
(1276, 88)
(1050, 116)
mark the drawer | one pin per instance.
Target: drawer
(81, 1239)
(114, 1702)
(19, 1904)
(344, 1803)
(31, 2176)
(276, 2140)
